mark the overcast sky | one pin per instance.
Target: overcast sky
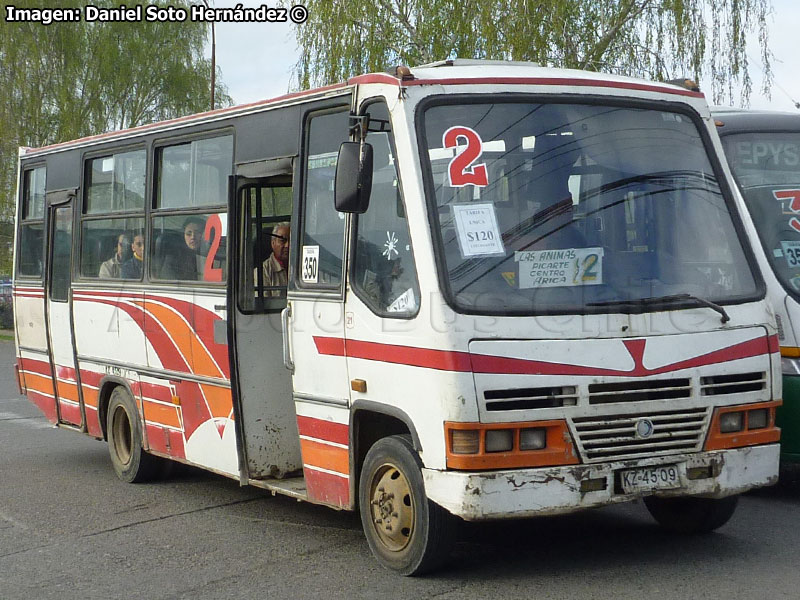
(257, 59)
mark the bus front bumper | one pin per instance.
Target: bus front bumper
(520, 493)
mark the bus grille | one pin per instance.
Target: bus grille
(637, 391)
(615, 438)
(718, 385)
(530, 398)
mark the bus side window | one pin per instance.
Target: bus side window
(186, 244)
(30, 252)
(265, 212)
(322, 229)
(384, 273)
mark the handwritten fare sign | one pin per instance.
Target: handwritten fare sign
(560, 268)
(478, 234)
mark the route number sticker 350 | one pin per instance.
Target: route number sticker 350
(309, 270)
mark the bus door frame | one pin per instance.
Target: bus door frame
(255, 463)
(55, 201)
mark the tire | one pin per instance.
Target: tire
(124, 431)
(691, 515)
(406, 532)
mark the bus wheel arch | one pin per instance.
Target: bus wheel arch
(371, 421)
(107, 386)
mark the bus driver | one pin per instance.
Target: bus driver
(277, 264)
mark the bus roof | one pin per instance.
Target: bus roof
(451, 72)
(739, 120)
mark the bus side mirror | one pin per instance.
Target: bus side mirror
(353, 177)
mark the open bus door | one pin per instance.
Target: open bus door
(260, 196)
(58, 308)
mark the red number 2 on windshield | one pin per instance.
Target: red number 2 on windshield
(461, 170)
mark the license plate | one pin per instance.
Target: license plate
(650, 478)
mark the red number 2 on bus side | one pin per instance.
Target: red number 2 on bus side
(461, 170)
(213, 224)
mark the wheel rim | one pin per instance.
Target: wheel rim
(392, 507)
(122, 434)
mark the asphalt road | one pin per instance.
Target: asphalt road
(70, 529)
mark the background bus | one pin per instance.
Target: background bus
(763, 150)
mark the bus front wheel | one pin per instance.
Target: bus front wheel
(123, 429)
(691, 515)
(406, 532)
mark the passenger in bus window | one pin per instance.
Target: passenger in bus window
(276, 265)
(186, 263)
(112, 268)
(132, 268)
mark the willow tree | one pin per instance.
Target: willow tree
(67, 80)
(655, 39)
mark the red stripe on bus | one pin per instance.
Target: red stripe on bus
(323, 430)
(118, 295)
(330, 346)
(326, 488)
(157, 441)
(46, 404)
(402, 355)
(66, 373)
(156, 392)
(36, 366)
(501, 365)
(70, 413)
(91, 377)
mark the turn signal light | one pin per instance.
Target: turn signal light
(479, 446)
(465, 441)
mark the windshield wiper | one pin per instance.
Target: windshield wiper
(666, 300)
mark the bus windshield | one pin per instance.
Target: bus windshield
(767, 168)
(573, 208)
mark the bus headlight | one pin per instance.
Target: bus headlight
(758, 419)
(499, 440)
(532, 439)
(730, 422)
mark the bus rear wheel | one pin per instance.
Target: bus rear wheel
(123, 429)
(691, 515)
(405, 531)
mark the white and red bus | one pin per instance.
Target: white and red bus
(510, 291)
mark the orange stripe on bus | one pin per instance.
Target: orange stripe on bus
(68, 390)
(186, 340)
(219, 400)
(39, 383)
(324, 456)
(162, 414)
(90, 396)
